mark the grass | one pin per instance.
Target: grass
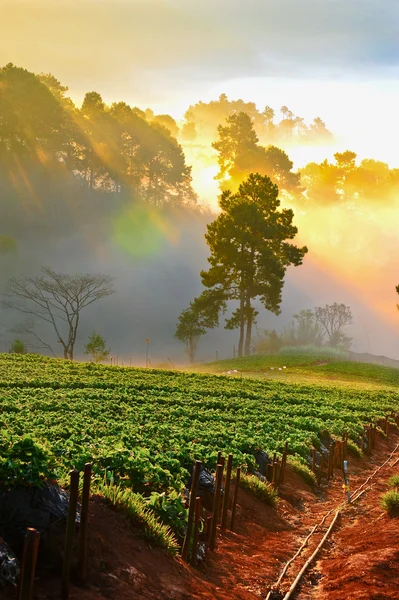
(134, 507)
(394, 481)
(354, 449)
(263, 491)
(390, 502)
(308, 368)
(303, 470)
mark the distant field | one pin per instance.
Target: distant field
(147, 426)
(307, 368)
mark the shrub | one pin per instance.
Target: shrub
(96, 348)
(316, 351)
(262, 491)
(390, 502)
(18, 347)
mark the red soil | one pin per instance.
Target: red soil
(360, 561)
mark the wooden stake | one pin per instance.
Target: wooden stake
(226, 497)
(84, 519)
(208, 529)
(236, 487)
(216, 506)
(70, 529)
(191, 507)
(28, 564)
(277, 471)
(222, 463)
(283, 464)
(321, 468)
(194, 550)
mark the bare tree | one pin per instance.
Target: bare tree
(58, 299)
(333, 317)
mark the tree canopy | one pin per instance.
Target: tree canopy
(240, 154)
(250, 252)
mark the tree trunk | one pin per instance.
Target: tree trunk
(249, 320)
(191, 352)
(242, 325)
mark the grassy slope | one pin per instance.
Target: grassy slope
(308, 369)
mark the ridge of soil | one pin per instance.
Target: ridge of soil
(360, 560)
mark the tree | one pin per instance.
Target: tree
(96, 348)
(58, 299)
(18, 347)
(240, 154)
(270, 343)
(304, 330)
(202, 314)
(397, 291)
(250, 252)
(333, 318)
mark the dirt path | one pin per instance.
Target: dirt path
(360, 561)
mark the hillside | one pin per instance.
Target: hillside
(308, 369)
(144, 428)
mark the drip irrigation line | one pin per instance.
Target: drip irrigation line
(377, 470)
(311, 559)
(355, 496)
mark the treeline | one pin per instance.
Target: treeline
(202, 119)
(61, 164)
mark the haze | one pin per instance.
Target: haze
(334, 59)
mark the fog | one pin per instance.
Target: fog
(152, 288)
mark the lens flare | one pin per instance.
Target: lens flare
(143, 231)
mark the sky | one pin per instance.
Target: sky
(338, 59)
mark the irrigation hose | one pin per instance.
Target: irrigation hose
(355, 496)
(311, 559)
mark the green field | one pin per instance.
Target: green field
(307, 369)
(147, 426)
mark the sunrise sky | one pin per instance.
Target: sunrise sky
(334, 58)
(337, 59)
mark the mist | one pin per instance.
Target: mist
(78, 202)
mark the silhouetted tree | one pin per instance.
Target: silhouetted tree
(250, 252)
(58, 299)
(333, 318)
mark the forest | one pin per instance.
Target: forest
(112, 184)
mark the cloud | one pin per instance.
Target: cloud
(127, 44)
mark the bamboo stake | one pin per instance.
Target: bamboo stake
(216, 505)
(191, 507)
(84, 518)
(73, 499)
(226, 497)
(194, 551)
(28, 564)
(236, 487)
